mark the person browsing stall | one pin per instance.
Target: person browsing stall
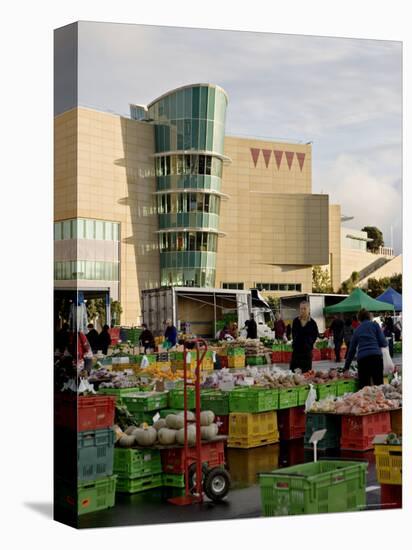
(366, 343)
(170, 333)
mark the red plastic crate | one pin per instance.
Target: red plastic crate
(391, 496)
(224, 361)
(213, 453)
(291, 423)
(286, 356)
(316, 355)
(93, 413)
(277, 356)
(223, 422)
(358, 432)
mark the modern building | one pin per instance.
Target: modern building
(165, 197)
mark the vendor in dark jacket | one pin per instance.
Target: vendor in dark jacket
(104, 340)
(93, 337)
(368, 340)
(251, 328)
(146, 338)
(304, 334)
(170, 333)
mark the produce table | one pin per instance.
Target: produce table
(177, 446)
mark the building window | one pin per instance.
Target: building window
(86, 229)
(194, 165)
(233, 286)
(197, 241)
(86, 270)
(276, 287)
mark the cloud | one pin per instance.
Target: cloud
(370, 199)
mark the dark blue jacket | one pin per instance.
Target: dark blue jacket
(171, 335)
(368, 339)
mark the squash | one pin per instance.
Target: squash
(159, 424)
(129, 430)
(174, 421)
(206, 418)
(146, 437)
(191, 435)
(126, 441)
(209, 432)
(191, 417)
(166, 436)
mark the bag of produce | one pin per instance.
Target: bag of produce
(311, 398)
(388, 366)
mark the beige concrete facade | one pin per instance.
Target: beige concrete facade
(276, 229)
(335, 260)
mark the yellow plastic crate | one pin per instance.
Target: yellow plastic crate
(245, 466)
(396, 421)
(389, 464)
(164, 365)
(236, 361)
(252, 424)
(252, 441)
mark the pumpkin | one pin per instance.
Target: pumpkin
(159, 424)
(209, 432)
(191, 435)
(174, 421)
(191, 417)
(206, 418)
(126, 441)
(166, 436)
(146, 437)
(129, 430)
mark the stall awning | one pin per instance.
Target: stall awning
(356, 301)
(391, 296)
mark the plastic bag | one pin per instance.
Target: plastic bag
(331, 345)
(311, 398)
(144, 362)
(388, 366)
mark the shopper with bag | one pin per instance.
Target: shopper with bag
(369, 344)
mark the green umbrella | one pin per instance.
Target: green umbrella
(356, 301)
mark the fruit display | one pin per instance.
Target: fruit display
(367, 400)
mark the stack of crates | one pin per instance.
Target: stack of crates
(325, 486)
(246, 465)
(358, 432)
(247, 430)
(318, 421)
(177, 362)
(137, 469)
(291, 423)
(389, 473)
(218, 402)
(88, 484)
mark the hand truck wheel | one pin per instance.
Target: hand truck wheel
(192, 475)
(216, 484)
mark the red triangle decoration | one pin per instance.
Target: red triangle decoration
(278, 157)
(301, 159)
(255, 154)
(266, 156)
(289, 158)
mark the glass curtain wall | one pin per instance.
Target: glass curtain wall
(189, 143)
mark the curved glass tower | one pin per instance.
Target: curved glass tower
(189, 138)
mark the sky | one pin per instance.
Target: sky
(344, 95)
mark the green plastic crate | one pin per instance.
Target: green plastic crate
(303, 392)
(325, 486)
(346, 386)
(288, 398)
(133, 463)
(216, 401)
(95, 451)
(174, 480)
(332, 424)
(164, 412)
(254, 360)
(145, 401)
(141, 417)
(92, 496)
(176, 398)
(118, 392)
(326, 390)
(397, 347)
(253, 400)
(232, 352)
(126, 485)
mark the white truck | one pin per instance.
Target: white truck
(199, 310)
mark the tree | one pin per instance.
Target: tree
(274, 303)
(376, 287)
(96, 309)
(116, 311)
(377, 238)
(321, 281)
(351, 283)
